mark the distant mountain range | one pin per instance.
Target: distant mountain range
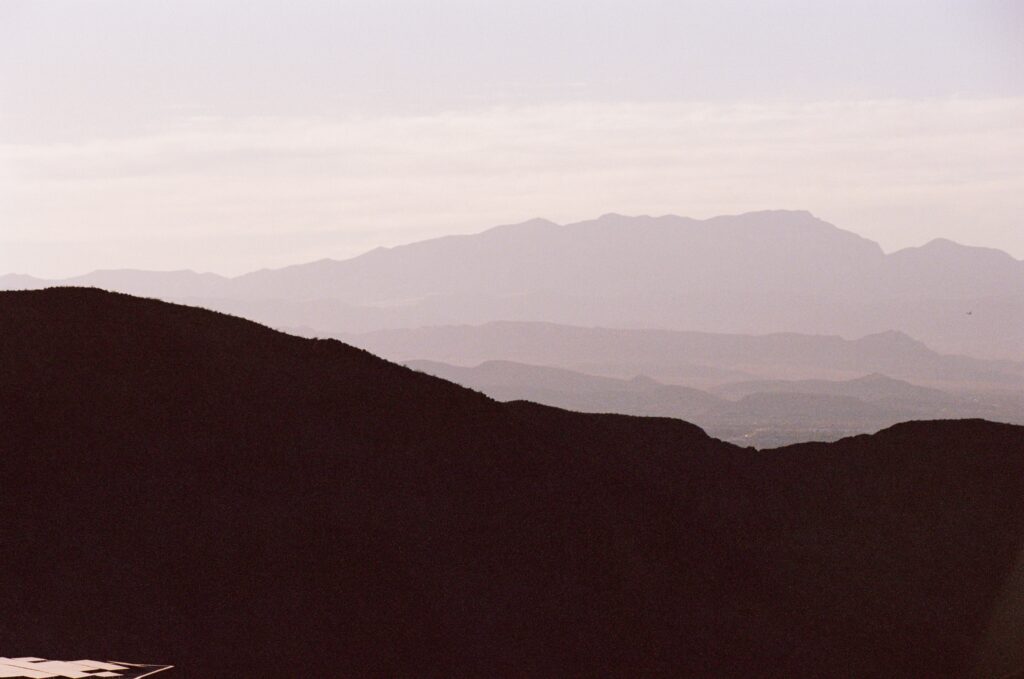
(765, 413)
(757, 273)
(694, 359)
(192, 489)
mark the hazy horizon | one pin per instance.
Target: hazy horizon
(228, 137)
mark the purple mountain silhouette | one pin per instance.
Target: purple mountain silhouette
(762, 272)
(765, 413)
(691, 358)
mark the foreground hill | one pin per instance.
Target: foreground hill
(187, 488)
(756, 273)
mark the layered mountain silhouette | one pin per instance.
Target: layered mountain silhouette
(757, 273)
(692, 358)
(875, 387)
(764, 413)
(196, 490)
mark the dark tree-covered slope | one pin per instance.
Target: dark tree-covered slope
(183, 487)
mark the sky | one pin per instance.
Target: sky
(227, 136)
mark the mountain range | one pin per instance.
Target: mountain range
(692, 358)
(756, 273)
(764, 413)
(187, 488)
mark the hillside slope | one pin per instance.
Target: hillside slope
(182, 487)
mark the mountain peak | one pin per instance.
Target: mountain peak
(891, 339)
(941, 243)
(774, 217)
(644, 381)
(781, 212)
(876, 378)
(951, 248)
(530, 225)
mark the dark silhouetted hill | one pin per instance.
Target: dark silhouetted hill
(189, 488)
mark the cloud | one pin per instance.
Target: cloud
(899, 171)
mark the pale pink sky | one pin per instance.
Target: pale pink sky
(228, 135)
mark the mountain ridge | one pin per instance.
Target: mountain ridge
(945, 244)
(768, 271)
(764, 414)
(575, 347)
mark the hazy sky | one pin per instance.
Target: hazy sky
(232, 135)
